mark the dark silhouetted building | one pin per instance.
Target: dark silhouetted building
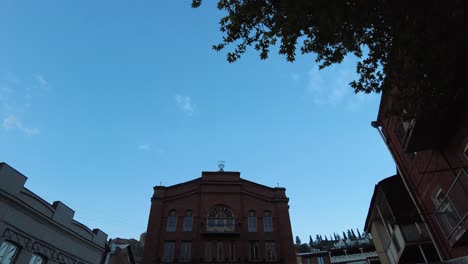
(34, 231)
(431, 155)
(219, 217)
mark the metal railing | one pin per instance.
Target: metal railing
(453, 210)
(220, 225)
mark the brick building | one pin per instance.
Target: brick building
(431, 154)
(219, 217)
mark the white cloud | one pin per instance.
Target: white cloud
(41, 80)
(184, 103)
(11, 122)
(296, 77)
(144, 147)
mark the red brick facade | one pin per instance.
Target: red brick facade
(429, 153)
(207, 220)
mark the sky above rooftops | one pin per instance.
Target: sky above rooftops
(100, 101)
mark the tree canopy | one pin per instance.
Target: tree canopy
(417, 46)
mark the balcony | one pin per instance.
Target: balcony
(221, 226)
(452, 212)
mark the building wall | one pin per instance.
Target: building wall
(429, 171)
(202, 194)
(314, 259)
(36, 226)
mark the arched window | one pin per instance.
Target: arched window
(267, 222)
(188, 221)
(220, 219)
(8, 252)
(171, 221)
(252, 221)
(37, 259)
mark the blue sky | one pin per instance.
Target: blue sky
(99, 102)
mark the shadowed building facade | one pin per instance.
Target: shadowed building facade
(34, 231)
(219, 217)
(431, 156)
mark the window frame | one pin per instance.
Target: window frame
(9, 245)
(220, 219)
(267, 224)
(186, 251)
(41, 257)
(219, 251)
(171, 225)
(232, 250)
(252, 221)
(320, 260)
(208, 249)
(253, 250)
(168, 257)
(188, 221)
(270, 247)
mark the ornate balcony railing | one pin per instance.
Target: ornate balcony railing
(220, 225)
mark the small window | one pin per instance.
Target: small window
(270, 251)
(186, 251)
(37, 259)
(188, 221)
(232, 250)
(253, 250)
(208, 257)
(8, 252)
(267, 222)
(171, 221)
(320, 260)
(252, 222)
(219, 251)
(168, 254)
(445, 213)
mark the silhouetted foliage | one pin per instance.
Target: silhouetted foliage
(298, 240)
(302, 248)
(418, 47)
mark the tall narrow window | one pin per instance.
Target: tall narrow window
(253, 250)
(267, 222)
(252, 222)
(232, 250)
(270, 251)
(36, 259)
(171, 221)
(219, 251)
(7, 252)
(320, 260)
(168, 254)
(188, 221)
(208, 256)
(186, 251)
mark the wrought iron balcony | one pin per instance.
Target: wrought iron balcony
(221, 226)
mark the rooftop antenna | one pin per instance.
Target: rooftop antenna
(221, 165)
(277, 184)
